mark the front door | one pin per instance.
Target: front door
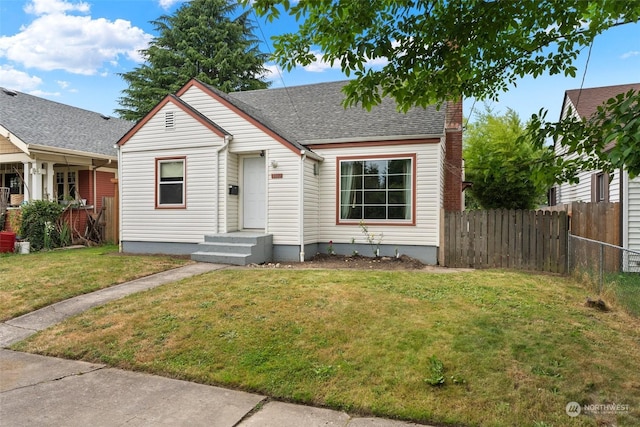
(253, 196)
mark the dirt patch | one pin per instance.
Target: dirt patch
(325, 261)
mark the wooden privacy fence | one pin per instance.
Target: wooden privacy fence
(528, 240)
(110, 220)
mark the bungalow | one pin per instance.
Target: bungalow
(52, 151)
(598, 186)
(282, 174)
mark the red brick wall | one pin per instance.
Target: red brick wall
(104, 187)
(453, 158)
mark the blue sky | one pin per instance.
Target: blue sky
(71, 51)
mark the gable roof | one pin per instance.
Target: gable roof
(38, 121)
(314, 113)
(183, 106)
(587, 101)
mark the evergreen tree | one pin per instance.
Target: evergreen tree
(201, 40)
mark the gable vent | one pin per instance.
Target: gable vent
(169, 120)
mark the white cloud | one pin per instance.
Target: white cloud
(77, 44)
(166, 4)
(630, 54)
(63, 84)
(46, 7)
(11, 78)
(43, 94)
(272, 72)
(320, 65)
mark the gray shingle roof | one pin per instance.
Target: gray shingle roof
(39, 121)
(303, 114)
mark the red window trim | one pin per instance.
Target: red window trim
(183, 205)
(394, 223)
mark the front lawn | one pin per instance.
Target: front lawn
(29, 282)
(484, 348)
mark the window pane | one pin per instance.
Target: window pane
(398, 197)
(376, 189)
(353, 212)
(375, 181)
(170, 194)
(171, 170)
(374, 212)
(398, 212)
(375, 198)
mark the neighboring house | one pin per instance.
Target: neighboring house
(597, 186)
(52, 151)
(290, 166)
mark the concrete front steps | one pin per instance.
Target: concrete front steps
(236, 248)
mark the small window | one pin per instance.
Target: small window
(171, 182)
(169, 120)
(66, 185)
(600, 187)
(376, 189)
(552, 196)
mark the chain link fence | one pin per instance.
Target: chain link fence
(611, 271)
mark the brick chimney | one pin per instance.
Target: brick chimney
(453, 157)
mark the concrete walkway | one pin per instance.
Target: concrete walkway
(37, 390)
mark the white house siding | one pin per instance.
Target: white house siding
(311, 201)
(283, 196)
(428, 202)
(141, 221)
(231, 213)
(581, 192)
(632, 206)
(248, 139)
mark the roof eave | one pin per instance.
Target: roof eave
(371, 139)
(35, 148)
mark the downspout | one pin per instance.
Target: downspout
(120, 204)
(225, 145)
(301, 206)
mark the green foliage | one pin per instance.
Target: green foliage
(436, 372)
(201, 41)
(438, 50)
(39, 224)
(609, 140)
(502, 163)
(432, 51)
(372, 240)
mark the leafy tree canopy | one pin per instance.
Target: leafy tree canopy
(204, 39)
(434, 50)
(501, 162)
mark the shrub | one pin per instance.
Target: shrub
(40, 224)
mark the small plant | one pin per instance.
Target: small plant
(330, 250)
(372, 240)
(15, 221)
(37, 227)
(436, 372)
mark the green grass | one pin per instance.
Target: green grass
(626, 287)
(29, 282)
(485, 348)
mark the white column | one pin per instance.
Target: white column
(36, 182)
(51, 181)
(26, 175)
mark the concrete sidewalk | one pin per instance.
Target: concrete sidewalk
(37, 390)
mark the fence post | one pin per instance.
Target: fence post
(601, 272)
